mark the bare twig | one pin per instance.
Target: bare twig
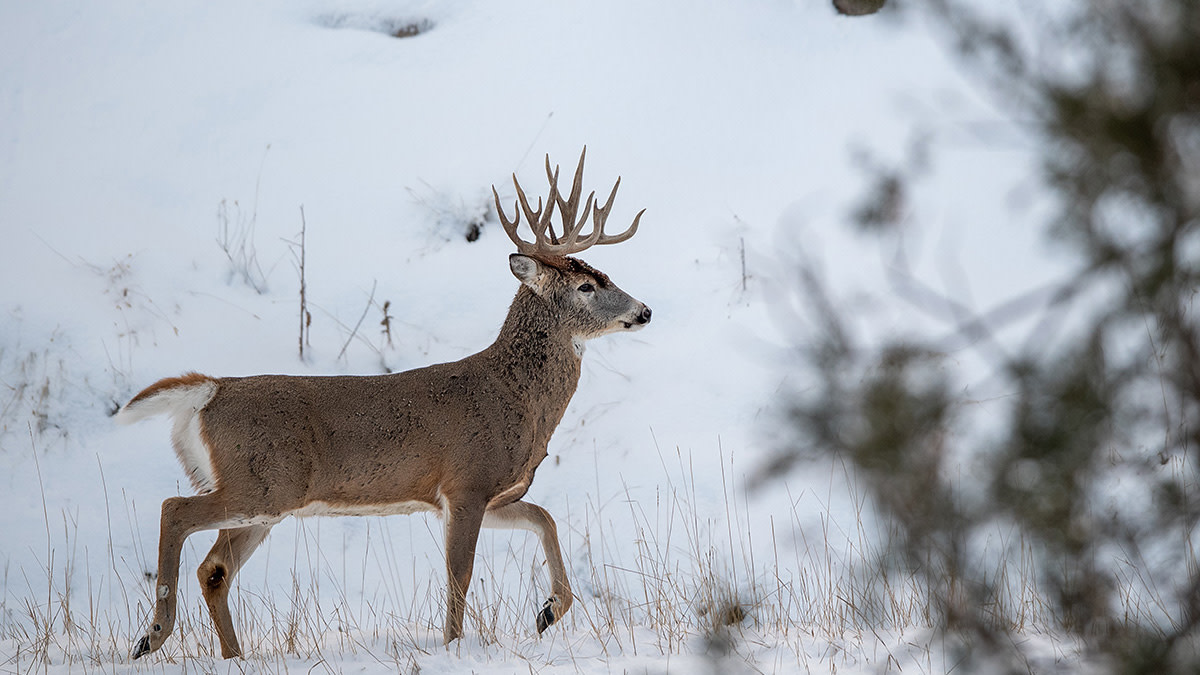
(370, 301)
(305, 316)
(387, 321)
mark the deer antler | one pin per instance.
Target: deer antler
(545, 241)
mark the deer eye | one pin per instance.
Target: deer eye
(586, 288)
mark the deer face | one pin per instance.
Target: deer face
(586, 301)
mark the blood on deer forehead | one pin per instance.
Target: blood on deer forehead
(569, 265)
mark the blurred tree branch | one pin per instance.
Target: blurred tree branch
(1111, 407)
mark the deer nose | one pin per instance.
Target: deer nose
(644, 317)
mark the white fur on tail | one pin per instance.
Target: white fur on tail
(183, 402)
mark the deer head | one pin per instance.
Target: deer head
(589, 303)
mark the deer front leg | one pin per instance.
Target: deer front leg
(233, 547)
(462, 533)
(181, 516)
(531, 517)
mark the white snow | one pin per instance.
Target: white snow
(132, 132)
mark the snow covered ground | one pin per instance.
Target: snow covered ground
(157, 162)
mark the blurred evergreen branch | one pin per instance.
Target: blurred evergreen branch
(1111, 91)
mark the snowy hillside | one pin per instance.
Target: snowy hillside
(157, 163)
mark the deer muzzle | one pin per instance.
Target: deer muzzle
(638, 320)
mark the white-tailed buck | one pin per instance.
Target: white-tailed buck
(461, 439)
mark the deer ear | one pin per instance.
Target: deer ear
(529, 271)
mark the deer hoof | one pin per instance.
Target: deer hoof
(142, 647)
(546, 616)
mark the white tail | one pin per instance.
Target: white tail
(462, 439)
(181, 398)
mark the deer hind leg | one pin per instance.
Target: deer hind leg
(233, 547)
(462, 533)
(181, 516)
(531, 517)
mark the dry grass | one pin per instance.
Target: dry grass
(654, 578)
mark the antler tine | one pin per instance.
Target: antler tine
(531, 216)
(601, 213)
(601, 216)
(552, 176)
(618, 238)
(510, 227)
(574, 246)
(570, 206)
(538, 221)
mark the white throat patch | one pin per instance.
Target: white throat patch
(579, 346)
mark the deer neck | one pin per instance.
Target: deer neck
(536, 352)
